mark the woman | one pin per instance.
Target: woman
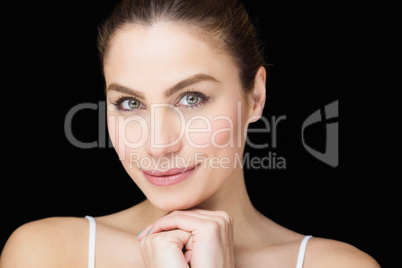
(184, 78)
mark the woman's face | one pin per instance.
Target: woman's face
(174, 102)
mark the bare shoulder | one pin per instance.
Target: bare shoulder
(322, 252)
(43, 243)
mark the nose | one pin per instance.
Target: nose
(166, 131)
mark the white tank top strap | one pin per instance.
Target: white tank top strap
(91, 246)
(302, 251)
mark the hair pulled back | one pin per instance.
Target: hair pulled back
(225, 23)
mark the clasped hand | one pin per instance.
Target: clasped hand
(199, 238)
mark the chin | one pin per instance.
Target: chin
(173, 204)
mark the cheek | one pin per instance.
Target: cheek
(226, 128)
(199, 132)
(215, 132)
(127, 134)
(223, 133)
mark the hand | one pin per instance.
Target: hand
(212, 237)
(164, 249)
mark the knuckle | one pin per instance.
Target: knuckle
(212, 227)
(159, 240)
(221, 222)
(172, 215)
(230, 220)
(223, 214)
(143, 241)
(175, 213)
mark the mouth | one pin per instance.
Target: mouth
(169, 177)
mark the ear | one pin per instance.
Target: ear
(258, 95)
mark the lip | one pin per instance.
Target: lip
(169, 177)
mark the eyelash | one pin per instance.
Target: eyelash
(120, 101)
(203, 98)
(200, 95)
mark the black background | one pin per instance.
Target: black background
(319, 54)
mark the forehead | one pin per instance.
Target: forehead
(161, 54)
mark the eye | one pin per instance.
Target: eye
(128, 104)
(192, 99)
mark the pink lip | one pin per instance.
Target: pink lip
(169, 177)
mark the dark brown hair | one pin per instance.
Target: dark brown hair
(225, 23)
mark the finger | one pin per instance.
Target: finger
(221, 217)
(214, 213)
(178, 237)
(178, 221)
(189, 244)
(224, 220)
(182, 237)
(144, 232)
(187, 256)
(203, 214)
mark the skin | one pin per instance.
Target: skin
(151, 60)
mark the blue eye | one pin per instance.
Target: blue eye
(189, 99)
(127, 104)
(130, 104)
(192, 99)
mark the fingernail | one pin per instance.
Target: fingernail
(139, 233)
(148, 231)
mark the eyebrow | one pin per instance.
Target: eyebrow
(168, 92)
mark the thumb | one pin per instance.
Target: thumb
(187, 256)
(189, 244)
(189, 248)
(182, 238)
